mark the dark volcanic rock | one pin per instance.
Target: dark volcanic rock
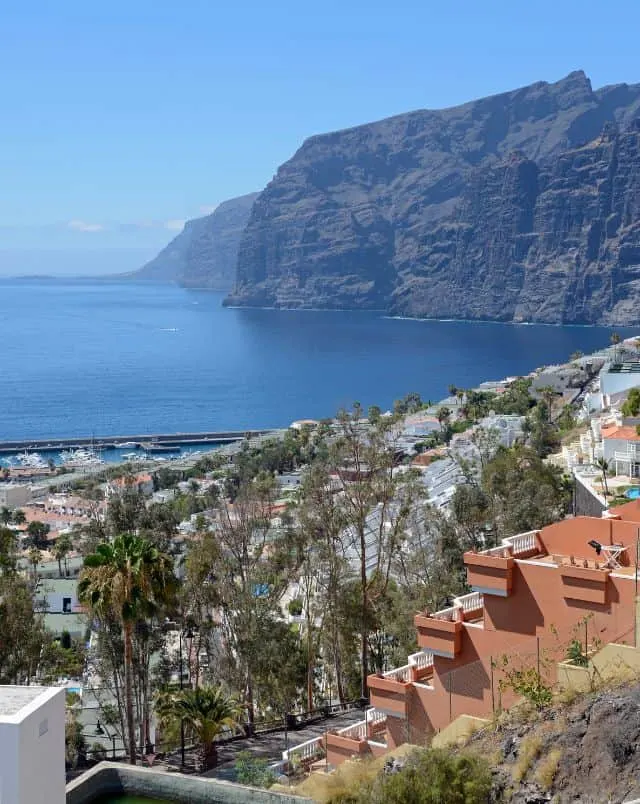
(204, 254)
(523, 206)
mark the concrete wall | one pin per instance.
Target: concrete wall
(110, 778)
(586, 503)
(32, 767)
(12, 496)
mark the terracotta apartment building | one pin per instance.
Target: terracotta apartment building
(531, 596)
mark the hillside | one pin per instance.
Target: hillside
(204, 254)
(523, 206)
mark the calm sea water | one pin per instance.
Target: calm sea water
(103, 359)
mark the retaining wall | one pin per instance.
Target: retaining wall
(109, 778)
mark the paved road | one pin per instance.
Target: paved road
(271, 746)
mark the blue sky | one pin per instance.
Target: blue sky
(119, 120)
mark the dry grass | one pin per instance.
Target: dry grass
(527, 755)
(547, 768)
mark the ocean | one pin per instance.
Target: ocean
(98, 358)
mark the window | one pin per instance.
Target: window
(66, 605)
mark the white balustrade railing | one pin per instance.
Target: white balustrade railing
(471, 602)
(374, 716)
(306, 751)
(421, 660)
(445, 614)
(357, 731)
(523, 542)
(399, 674)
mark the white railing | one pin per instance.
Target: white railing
(306, 751)
(471, 602)
(496, 551)
(374, 716)
(421, 660)
(357, 731)
(446, 614)
(399, 674)
(523, 542)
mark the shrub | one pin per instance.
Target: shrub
(295, 607)
(253, 771)
(575, 654)
(432, 776)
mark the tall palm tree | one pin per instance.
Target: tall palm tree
(206, 711)
(129, 579)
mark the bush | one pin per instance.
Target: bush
(527, 754)
(253, 771)
(295, 607)
(433, 776)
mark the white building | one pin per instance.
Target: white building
(32, 745)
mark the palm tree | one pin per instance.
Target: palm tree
(206, 711)
(62, 548)
(129, 579)
(5, 515)
(615, 341)
(603, 465)
(35, 557)
(19, 517)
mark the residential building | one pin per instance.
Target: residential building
(621, 449)
(532, 596)
(32, 745)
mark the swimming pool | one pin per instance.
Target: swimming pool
(632, 494)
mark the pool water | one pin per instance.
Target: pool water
(133, 800)
(632, 494)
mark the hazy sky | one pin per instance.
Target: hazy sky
(121, 119)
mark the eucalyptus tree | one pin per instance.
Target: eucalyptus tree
(376, 498)
(128, 580)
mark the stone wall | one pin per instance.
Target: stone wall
(586, 503)
(110, 778)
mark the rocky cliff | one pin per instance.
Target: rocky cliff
(204, 254)
(522, 206)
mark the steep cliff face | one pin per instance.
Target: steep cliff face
(204, 254)
(520, 206)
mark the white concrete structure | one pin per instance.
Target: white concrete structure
(32, 745)
(14, 494)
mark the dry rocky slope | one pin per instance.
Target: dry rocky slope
(587, 751)
(204, 254)
(524, 206)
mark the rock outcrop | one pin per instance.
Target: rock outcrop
(204, 254)
(523, 206)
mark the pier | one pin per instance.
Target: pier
(154, 441)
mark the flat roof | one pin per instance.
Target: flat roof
(16, 702)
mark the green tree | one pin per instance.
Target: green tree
(206, 712)
(127, 579)
(603, 466)
(19, 517)
(5, 515)
(631, 405)
(38, 532)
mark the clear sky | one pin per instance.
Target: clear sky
(120, 119)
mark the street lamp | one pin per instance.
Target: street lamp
(188, 634)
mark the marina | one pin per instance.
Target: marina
(92, 452)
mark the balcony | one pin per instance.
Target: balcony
(440, 633)
(586, 584)
(490, 572)
(388, 690)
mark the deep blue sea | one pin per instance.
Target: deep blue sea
(101, 358)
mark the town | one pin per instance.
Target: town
(271, 609)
